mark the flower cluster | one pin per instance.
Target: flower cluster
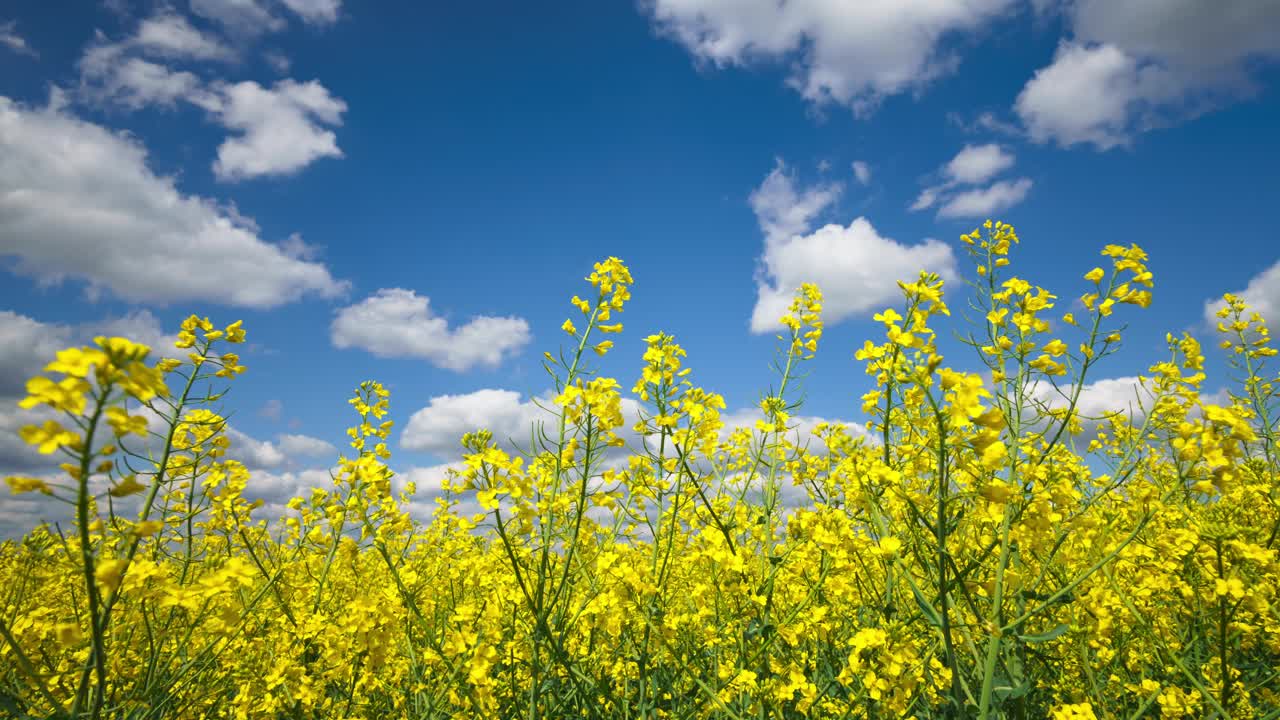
(987, 545)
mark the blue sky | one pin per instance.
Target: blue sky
(412, 192)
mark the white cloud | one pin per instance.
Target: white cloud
(278, 61)
(989, 122)
(1137, 64)
(276, 130)
(39, 342)
(271, 409)
(242, 17)
(16, 456)
(306, 446)
(1123, 394)
(316, 12)
(438, 428)
(249, 18)
(77, 200)
(848, 53)
(1262, 294)
(395, 322)
(276, 488)
(116, 71)
(281, 129)
(273, 474)
(429, 481)
(978, 163)
(27, 345)
(284, 452)
(783, 212)
(135, 83)
(168, 34)
(862, 172)
(10, 38)
(428, 478)
(974, 165)
(856, 267)
(140, 326)
(1088, 95)
(19, 514)
(802, 426)
(983, 202)
(925, 199)
(1193, 35)
(252, 452)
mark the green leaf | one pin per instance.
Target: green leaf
(1005, 690)
(929, 613)
(1053, 634)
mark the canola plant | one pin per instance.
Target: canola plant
(985, 549)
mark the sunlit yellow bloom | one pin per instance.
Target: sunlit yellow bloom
(21, 484)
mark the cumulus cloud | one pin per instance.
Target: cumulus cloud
(278, 61)
(276, 473)
(1187, 34)
(305, 446)
(978, 163)
(126, 73)
(1125, 395)
(802, 426)
(438, 428)
(856, 267)
(275, 488)
(276, 130)
(168, 34)
(287, 451)
(252, 452)
(974, 165)
(271, 409)
(925, 199)
(79, 201)
(429, 482)
(117, 71)
(853, 54)
(1262, 293)
(239, 17)
(315, 12)
(27, 344)
(1088, 95)
(984, 202)
(395, 322)
(10, 38)
(135, 83)
(784, 211)
(862, 171)
(281, 129)
(16, 456)
(1132, 65)
(19, 514)
(251, 18)
(16, 366)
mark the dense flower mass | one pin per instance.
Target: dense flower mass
(986, 549)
